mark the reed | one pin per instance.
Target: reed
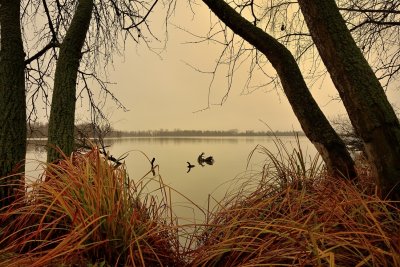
(298, 216)
(87, 211)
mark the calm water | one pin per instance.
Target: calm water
(172, 154)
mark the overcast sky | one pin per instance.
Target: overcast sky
(163, 92)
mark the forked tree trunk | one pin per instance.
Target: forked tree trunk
(312, 120)
(62, 114)
(369, 110)
(12, 102)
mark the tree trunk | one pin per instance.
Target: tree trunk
(370, 112)
(12, 103)
(62, 114)
(312, 120)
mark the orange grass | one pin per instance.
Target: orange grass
(298, 216)
(88, 211)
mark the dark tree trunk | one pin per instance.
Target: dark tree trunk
(370, 112)
(312, 120)
(12, 103)
(62, 114)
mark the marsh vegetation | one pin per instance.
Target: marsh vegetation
(87, 212)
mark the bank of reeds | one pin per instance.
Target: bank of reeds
(298, 216)
(86, 212)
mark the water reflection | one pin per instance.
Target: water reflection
(174, 140)
(37, 145)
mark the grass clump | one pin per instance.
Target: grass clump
(88, 213)
(298, 216)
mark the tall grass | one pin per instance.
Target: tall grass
(89, 211)
(298, 216)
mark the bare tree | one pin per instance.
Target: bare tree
(374, 25)
(12, 103)
(363, 96)
(285, 19)
(112, 23)
(62, 114)
(313, 122)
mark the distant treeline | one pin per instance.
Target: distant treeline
(39, 130)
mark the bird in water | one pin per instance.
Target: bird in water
(201, 160)
(209, 160)
(190, 166)
(152, 166)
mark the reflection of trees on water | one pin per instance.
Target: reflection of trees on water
(174, 140)
(193, 140)
(36, 145)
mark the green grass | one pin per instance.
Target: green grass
(87, 212)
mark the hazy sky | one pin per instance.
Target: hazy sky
(163, 92)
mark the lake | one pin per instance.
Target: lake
(172, 154)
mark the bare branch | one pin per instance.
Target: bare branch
(386, 11)
(50, 22)
(41, 52)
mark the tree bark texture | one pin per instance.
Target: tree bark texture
(369, 110)
(12, 103)
(62, 113)
(313, 122)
